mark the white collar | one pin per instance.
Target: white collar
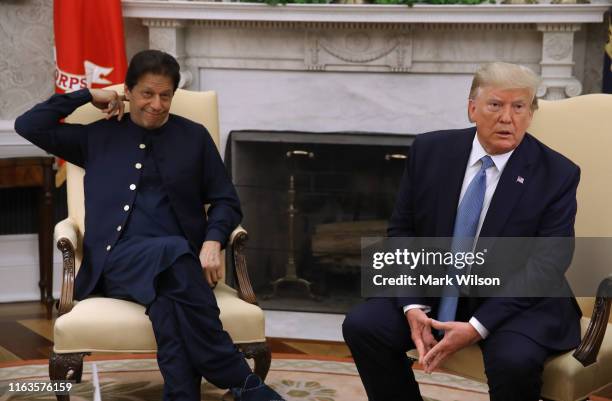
(478, 153)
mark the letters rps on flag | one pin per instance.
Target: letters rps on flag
(89, 47)
(89, 44)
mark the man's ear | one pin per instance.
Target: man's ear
(126, 92)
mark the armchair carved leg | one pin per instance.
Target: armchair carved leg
(260, 353)
(66, 367)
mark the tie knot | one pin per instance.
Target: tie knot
(486, 162)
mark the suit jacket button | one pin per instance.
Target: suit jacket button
(126, 207)
(138, 166)
(133, 187)
(108, 247)
(142, 146)
(118, 228)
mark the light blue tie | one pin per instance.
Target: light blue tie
(466, 224)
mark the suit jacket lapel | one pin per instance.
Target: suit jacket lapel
(451, 180)
(510, 188)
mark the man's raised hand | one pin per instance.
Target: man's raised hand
(110, 102)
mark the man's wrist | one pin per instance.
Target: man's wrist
(212, 242)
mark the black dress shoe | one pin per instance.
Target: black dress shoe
(254, 389)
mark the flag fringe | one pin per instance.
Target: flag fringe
(60, 176)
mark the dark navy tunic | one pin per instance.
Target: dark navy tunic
(150, 243)
(191, 172)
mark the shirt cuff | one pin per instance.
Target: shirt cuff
(216, 235)
(484, 333)
(84, 94)
(424, 308)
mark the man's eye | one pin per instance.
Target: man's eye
(146, 94)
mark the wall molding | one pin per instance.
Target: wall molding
(19, 272)
(12, 145)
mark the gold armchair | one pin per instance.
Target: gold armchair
(100, 324)
(580, 128)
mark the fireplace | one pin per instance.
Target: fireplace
(308, 198)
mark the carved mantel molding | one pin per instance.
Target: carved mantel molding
(370, 13)
(558, 61)
(169, 35)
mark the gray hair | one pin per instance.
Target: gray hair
(506, 76)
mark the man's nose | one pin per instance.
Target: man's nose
(156, 103)
(506, 115)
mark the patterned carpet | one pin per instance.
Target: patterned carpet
(297, 379)
(299, 370)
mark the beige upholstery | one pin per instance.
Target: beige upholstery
(579, 128)
(101, 324)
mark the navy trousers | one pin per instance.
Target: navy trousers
(378, 336)
(191, 342)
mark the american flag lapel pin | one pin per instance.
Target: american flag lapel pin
(520, 180)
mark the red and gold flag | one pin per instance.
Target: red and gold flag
(89, 48)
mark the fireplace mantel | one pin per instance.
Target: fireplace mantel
(337, 67)
(369, 13)
(368, 38)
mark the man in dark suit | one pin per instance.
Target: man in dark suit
(493, 180)
(148, 177)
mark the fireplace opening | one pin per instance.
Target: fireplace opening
(307, 200)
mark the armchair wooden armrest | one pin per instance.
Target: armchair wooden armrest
(237, 242)
(66, 236)
(587, 351)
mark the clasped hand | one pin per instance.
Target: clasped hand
(109, 101)
(457, 335)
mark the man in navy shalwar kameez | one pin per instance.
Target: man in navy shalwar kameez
(148, 177)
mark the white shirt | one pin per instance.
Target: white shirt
(493, 174)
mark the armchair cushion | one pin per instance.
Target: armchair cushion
(111, 325)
